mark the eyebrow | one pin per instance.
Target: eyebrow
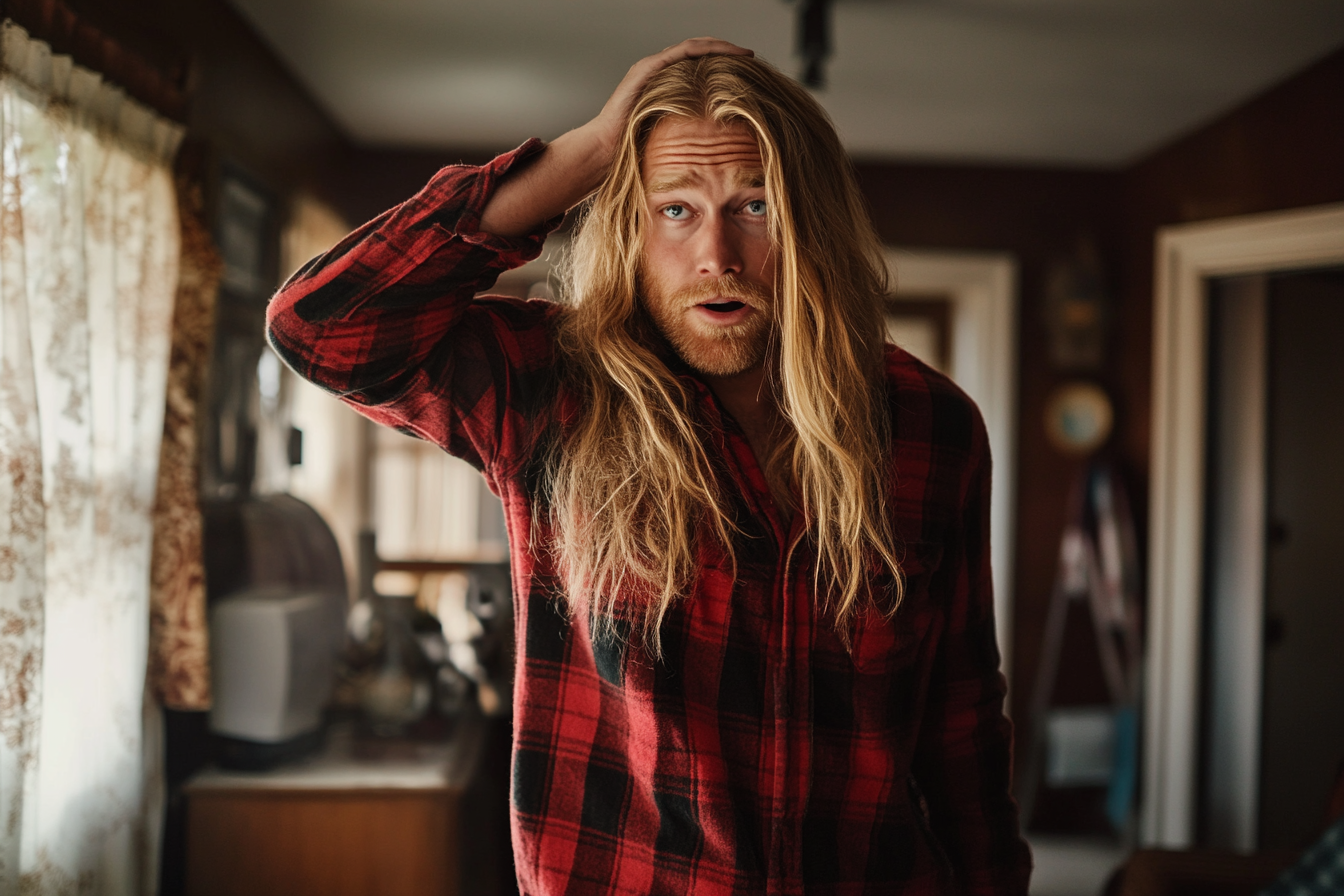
(679, 182)
(749, 177)
(744, 179)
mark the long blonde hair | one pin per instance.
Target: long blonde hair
(631, 484)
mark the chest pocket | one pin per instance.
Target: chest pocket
(885, 644)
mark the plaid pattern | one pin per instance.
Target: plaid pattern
(760, 756)
(1320, 871)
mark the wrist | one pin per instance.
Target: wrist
(592, 146)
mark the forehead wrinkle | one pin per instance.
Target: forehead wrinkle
(672, 157)
(705, 141)
(715, 153)
(749, 171)
(722, 158)
(742, 178)
(693, 146)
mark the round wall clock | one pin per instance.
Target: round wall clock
(1078, 418)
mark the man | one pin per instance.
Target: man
(749, 540)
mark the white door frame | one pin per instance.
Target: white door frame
(982, 289)
(1187, 256)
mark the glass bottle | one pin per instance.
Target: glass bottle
(396, 693)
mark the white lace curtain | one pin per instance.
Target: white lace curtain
(88, 267)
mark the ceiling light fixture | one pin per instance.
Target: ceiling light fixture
(814, 40)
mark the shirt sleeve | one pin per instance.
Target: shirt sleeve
(963, 757)
(387, 322)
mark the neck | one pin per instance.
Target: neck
(746, 395)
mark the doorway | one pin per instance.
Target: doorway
(1188, 258)
(1302, 732)
(1272, 735)
(958, 311)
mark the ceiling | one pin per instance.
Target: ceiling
(1057, 82)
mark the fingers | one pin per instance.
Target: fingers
(690, 49)
(702, 46)
(694, 48)
(611, 119)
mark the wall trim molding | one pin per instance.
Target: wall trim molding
(982, 287)
(1187, 256)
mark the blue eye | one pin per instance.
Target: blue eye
(756, 207)
(675, 212)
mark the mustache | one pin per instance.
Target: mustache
(728, 287)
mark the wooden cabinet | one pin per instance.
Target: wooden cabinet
(340, 826)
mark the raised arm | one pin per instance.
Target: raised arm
(386, 319)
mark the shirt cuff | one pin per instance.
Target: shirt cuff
(468, 223)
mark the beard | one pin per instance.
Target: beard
(706, 348)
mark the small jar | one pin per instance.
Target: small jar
(397, 690)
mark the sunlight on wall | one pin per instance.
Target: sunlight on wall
(332, 474)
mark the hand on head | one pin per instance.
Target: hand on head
(574, 164)
(611, 120)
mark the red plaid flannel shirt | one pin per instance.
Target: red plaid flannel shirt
(759, 756)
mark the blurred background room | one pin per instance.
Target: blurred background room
(252, 645)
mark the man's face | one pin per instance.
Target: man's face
(708, 272)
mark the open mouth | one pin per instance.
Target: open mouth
(723, 307)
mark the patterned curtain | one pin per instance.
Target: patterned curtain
(89, 248)
(179, 648)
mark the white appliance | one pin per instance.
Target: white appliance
(273, 662)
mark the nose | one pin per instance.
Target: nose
(717, 249)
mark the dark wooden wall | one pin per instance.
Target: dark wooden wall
(245, 109)
(1040, 216)
(1284, 149)
(244, 105)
